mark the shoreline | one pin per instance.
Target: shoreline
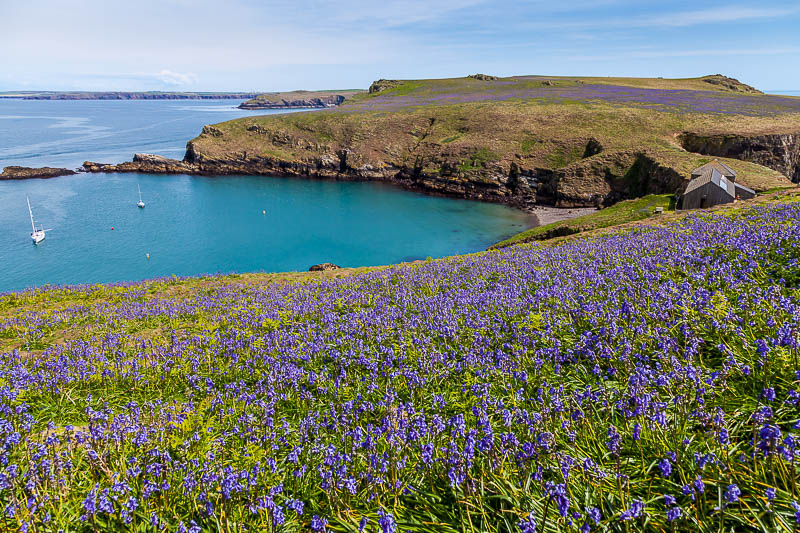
(546, 214)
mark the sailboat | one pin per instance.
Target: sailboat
(37, 235)
(141, 203)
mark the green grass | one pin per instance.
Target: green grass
(620, 213)
(564, 156)
(479, 159)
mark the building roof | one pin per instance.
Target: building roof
(715, 177)
(722, 168)
(740, 186)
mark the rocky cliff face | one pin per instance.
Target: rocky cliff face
(606, 179)
(780, 152)
(596, 180)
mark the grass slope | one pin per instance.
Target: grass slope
(641, 380)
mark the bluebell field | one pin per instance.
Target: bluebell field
(643, 380)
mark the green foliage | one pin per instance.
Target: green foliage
(563, 156)
(528, 144)
(479, 159)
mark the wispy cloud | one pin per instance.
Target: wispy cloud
(717, 15)
(655, 54)
(175, 78)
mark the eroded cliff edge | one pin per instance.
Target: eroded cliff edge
(779, 152)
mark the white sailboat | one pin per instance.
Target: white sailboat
(37, 235)
(141, 203)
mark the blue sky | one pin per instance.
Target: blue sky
(317, 44)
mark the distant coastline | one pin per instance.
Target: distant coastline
(795, 92)
(300, 99)
(124, 95)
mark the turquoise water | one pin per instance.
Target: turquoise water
(194, 225)
(197, 225)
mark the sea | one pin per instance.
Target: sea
(194, 225)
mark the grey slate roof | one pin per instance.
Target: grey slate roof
(715, 177)
(740, 186)
(722, 168)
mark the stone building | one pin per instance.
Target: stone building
(713, 184)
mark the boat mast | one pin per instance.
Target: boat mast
(140, 192)
(30, 212)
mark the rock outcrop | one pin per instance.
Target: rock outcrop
(323, 267)
(731, 84)
(780, 152)
(146, 163)
(483, 77)
(21, 173)
(382, 85)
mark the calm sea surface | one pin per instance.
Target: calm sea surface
(194, 224)
(38, 133)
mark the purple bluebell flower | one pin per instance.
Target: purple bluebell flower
(527, 524)
(732, 493)
(318, 523)
(386, 522)
(634, 511)
(666, 467)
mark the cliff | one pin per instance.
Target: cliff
(520, 141)
(298, 100)
(777, 151)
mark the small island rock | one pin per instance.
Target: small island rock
(22, 173)
(322, 267)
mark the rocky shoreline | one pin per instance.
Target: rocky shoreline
(24, 173)
(330, 168)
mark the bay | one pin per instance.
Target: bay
(194, 225)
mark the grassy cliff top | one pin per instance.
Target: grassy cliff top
(468, 125)
(709, 94)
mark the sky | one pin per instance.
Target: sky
(274, 45)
